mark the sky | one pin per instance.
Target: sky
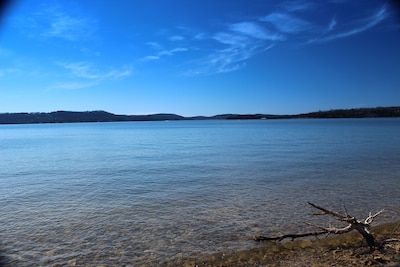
(197, 57)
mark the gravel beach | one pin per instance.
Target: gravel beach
(343, 250)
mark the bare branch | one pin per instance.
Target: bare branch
(333, 230)
(341, 217)
(345, 211)
(353, 224)
(292, 236)
(371, 217)
(338, 231)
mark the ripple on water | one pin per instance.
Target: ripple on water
(122, 200)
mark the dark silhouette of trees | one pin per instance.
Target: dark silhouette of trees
(103, 116)
(379, 112)
(71, 116)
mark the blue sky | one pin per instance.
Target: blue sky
(199, 57)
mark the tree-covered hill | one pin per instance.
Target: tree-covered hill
(103, 116)
(379, 112)
(73, 116)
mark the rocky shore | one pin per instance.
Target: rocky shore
(343, 250)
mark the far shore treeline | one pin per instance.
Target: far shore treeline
(103, 116)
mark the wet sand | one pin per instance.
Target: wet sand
(342, 250)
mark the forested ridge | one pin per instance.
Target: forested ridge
(103, 116)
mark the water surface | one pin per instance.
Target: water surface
(142, 193)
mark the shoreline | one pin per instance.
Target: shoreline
(104, 116)
(348, 249)
(342, 250)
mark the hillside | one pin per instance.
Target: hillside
(379, 112)
(103, 116)
(72, 116)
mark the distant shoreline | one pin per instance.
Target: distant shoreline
(103, 116)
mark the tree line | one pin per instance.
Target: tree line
(103, 116)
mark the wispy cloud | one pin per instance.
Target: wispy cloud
(163, 53)
(150, 58)
(69, 27)
(299, 5)
(155, 45)
(241, 42)
(232, 59)
(230, 47)
(238, 43)
(361, 26)
(331, 25)
(287, 23)
(244, 40)
(172, 51)
(87, 71)
(254, 30)
(200, 36)
(81, 70)
(84, 74)
(231, 39)
(52, 21)
(176, 38)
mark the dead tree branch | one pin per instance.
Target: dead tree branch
(292, 236)
(362, 226)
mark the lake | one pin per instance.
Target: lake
(142, 193)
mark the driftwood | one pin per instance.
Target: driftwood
(362, 226)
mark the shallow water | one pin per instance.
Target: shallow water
(141, 193)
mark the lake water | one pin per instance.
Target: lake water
(142, 193)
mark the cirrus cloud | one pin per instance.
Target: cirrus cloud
(359, 26)
(52, 21)
(163, 53)
(252, 29)
(87, 71)
(287, 23)
(84, 74)
(229, 47)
